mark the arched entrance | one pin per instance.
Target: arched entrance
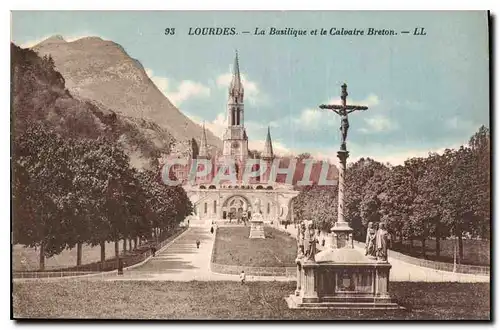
(236, 208)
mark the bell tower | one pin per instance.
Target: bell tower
(235, 137)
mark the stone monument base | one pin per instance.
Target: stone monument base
(257, 227)
(295, 302)
(257, 233)
(342, 279)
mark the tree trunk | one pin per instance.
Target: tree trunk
(411, 243)
(460, 249)
(117, 249)
(135, 243)
(458, 233)
(130, 244)
(117, 253)
(103, 252)
(423, 248)
(438, 246)
(42, 256)
(124, 245)
(79, 254)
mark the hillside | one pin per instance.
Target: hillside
(39, 94)
(100, 70)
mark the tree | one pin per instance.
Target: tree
(357, 178)
(42, 188)
(395, 202)
(105, 178)
(481, 158)
(457, 193)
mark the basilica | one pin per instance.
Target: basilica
(236, 200)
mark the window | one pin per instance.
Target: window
(268, 208)
(215, 206)
(205, 208)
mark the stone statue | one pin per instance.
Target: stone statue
(257, 206)
(310, 241)
(370, 246)
(382, 241)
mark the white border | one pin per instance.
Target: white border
(8, 5)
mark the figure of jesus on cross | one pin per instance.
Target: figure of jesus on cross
(343, 233)
(343, 110)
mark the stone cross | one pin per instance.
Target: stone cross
(342, 110)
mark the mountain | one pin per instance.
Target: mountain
(101, 71)
(39, 94)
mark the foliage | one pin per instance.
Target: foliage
(433, 197)
(70, 191)
(72, 181)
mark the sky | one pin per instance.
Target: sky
(425, 93)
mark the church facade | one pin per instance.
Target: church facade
(236, 200)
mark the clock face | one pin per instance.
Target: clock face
(236, 145)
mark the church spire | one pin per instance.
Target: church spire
(268, 147)
(236, 87)
(236, 68)
(203, 152)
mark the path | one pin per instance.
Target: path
(182, 261)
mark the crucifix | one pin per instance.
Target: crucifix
(341, 232)
(343, 110)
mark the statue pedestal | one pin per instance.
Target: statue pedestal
(342, 279)
(257, 226)
(341, 236)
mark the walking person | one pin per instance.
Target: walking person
(212, 230)
(242, 277)
(197, 243)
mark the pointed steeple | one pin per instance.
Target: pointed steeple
(203, 152)
(236, 87)
(268, 147)
(236, 67)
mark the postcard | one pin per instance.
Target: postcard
(250, 165)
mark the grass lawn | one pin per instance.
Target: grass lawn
(27, 259)
(233, 247)
(231, 300)
(476, 252)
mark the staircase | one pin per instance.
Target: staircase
(195, 221)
